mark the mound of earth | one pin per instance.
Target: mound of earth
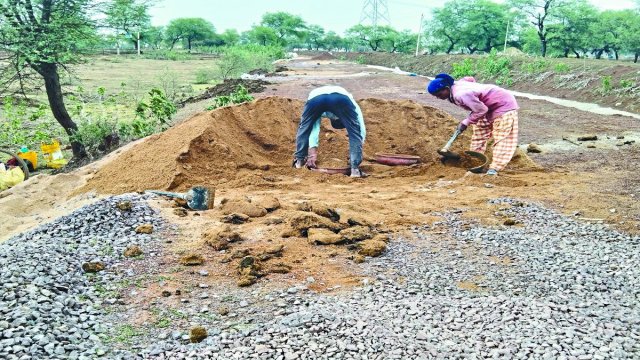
(324, 56)
(253, 143)
(227, 87)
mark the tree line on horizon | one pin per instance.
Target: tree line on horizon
(557, 28)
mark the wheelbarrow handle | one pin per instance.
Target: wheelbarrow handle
(453, 138)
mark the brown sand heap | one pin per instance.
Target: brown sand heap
(253, 143)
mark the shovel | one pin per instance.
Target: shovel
(449, 155)
(197, 198)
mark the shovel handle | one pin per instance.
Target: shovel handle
(453, 138)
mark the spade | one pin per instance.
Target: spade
(198, 197)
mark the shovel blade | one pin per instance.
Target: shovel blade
(448, 154)
(200, 198)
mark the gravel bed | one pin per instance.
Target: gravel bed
(549, 287)
(50, 308)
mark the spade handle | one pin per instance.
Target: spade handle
(453, 138)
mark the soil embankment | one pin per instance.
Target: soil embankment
(607, 83)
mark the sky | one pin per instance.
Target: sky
(336, 15)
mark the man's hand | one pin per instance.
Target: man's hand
(312, 158)
(461, 127)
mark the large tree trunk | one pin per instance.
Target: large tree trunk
(544, 47)
(637, 55)
(54, 93)
(577, 54)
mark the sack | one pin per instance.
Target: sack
(10, 178)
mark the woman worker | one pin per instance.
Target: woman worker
(494, 114)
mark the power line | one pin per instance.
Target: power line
(375, 13)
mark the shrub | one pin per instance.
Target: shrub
(462, 69)
(561, 68)
(203, 76)
(606, 85)
(535, 67)
(237, 60)
(23, 126)
(241, 95)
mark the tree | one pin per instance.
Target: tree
(475, 25)
(129, 18)
(610, 32)
(540, 13)
(332, 41)
(189, 30)
(574, 30)
(632, 36)
(441, 32)
(43, 36)
(153, 36)
(314, 36)
(287, 27)
(262, 35)
(230, 37)
(370, 36)
(401, 41)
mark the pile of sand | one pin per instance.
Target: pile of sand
(252, 144)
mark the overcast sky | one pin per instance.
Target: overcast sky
(336, 15)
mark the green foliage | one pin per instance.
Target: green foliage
(535, 67)
(24, 126)
(491, 67)
(561, 68)
(241, 95)
(158, 108)
(472, 25)
(204, 76)
(125, 334)
(462, 69)
(286, 27)
(189, 30)
(127, 18)
(606, 85)
(361, 59)
(627, 84)
(237, 60)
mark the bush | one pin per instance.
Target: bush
(462, 69)
(237, 60)
(204, 76)
(241, 95)
(606, 85)
(535, 67)
(23, 126)
(561, 68)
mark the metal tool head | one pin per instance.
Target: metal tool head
(447, 154)
(480, 156)
(199, 198)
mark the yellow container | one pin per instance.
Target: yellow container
(53, 155)
(31, 156)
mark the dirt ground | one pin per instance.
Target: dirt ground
(247, 158)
